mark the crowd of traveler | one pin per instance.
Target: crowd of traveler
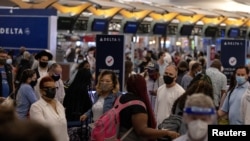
(168, 84)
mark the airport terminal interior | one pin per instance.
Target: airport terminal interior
(155, 24)
(173, 25)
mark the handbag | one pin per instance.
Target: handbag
(8, 102)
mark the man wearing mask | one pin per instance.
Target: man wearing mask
(42, 57)
(167, 94)
(199, 112)
(153, 81)
(232, 100)
(6, 75)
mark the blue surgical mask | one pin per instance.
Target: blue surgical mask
(240, 79)
(247, 61)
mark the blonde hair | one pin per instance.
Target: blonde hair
(114, 78)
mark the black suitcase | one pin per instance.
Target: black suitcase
(78, 131)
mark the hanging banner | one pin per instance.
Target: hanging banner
(24, 31)
(233, 54)
(36, 31)
(110, 55)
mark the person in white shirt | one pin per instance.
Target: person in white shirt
(49, 111)
(167, 94)
(162, 62)
(153, 81)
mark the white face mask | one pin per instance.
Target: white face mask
(91, 55)
(197, 73)
(80, 61)
(197, 129)
(9, 61)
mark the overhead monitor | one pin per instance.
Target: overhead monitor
(233, 32)
(65, 23)
(222, 32)
(100, 25)
(186, 30)
(131, 27)
(211, 31)
(160, 28)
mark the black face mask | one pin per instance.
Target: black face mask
(33, 83)
(168, 79)
(50, 92)
(2, 61)
(43, 64)
(55, 77)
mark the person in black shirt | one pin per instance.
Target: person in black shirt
(142, 120)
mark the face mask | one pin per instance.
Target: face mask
(33, 83)
(50, 93)
(240, 79)
(9, 61)
(43, 64)
(168, 79)
(165, 59)
(55, 77)
(197, 73)
(129, 56)
(153, 76)
(2, 61)
(247, 61)
(105, 87)
(80, 61)
(197, 129)
(91, 55)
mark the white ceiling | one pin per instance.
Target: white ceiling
(227, 5)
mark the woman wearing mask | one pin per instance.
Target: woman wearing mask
(25, 93)
(107, 89)
(49, 111)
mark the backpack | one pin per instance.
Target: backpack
(202, 76)
(107, 126)
(172, 123)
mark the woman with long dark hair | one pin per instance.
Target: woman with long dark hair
(25, 93)
(77, 100)
(140, 119)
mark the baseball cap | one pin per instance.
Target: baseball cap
(152, 66)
